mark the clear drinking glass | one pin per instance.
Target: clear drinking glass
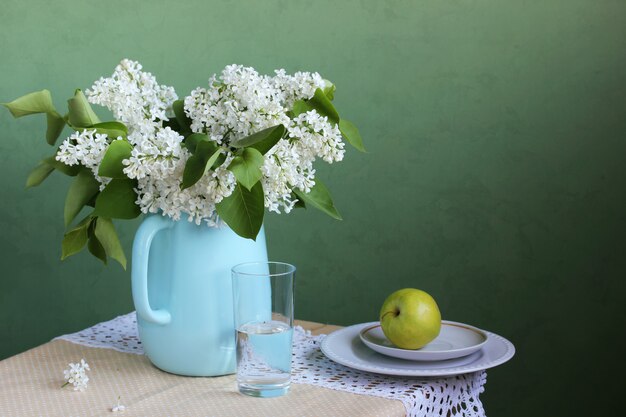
(263, 307)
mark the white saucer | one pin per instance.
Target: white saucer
(344, 346)
(455, 340)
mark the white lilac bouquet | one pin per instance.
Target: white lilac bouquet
(244, 143)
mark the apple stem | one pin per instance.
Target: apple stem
(395, 312)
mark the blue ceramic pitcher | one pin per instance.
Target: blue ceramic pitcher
(181, 284)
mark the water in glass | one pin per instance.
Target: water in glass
(264, 358)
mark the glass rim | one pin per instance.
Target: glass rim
(290, 269)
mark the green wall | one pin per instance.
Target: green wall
(494, 179)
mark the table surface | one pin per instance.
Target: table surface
(30, 386)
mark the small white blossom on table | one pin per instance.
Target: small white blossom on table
(119, 407)
(76, 375)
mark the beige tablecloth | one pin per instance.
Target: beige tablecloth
(30, 385)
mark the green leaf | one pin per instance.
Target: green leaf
(352, 135)
(81, 191)
(117, 200)
(319, 197)
(299, 107)
(262, 140)
(274, 133)
(74, 241)
(199, 163)
(192, 141)
(215, 160)
(323, 106)
(183, 121)
(329, 90)
(92, 202)
(96, 249)
(111, 129)
(94, 245)
(45, 168)
(247, 167)
(194, 170)
(106, 234)
(38, 174)
(39, 102)
(71, 170)
(87, 220)
(33, 103)
(56, 123)
(172, 124)
(243, 210)
(112, 163)
(81, 114)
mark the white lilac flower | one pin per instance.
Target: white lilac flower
(76, 375)
(86, 148)
(285, 169)
(236, 104)
(239, 103)
(300, 86)
(134, 97)
(157, 156)
(317, 137)
(197, 202)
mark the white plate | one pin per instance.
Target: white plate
(344, 346)
(455, 340)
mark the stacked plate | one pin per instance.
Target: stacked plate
(458, 349)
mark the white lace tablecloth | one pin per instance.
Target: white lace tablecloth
(428, 396)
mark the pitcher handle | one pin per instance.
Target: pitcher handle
(139, 276)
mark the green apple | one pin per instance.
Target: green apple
(410, 318)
